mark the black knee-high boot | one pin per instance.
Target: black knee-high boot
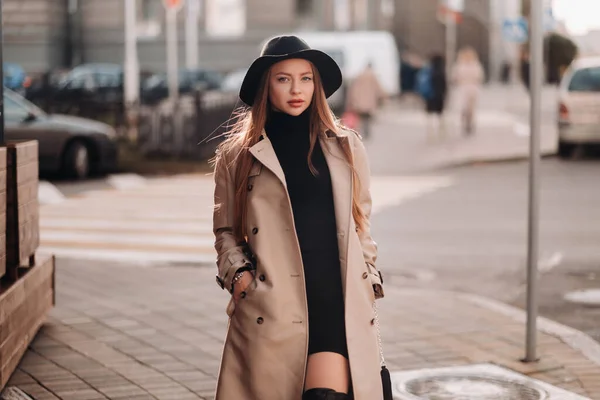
(324, 394)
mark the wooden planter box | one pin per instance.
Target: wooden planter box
(23, 308)
(22, 210)
(2, 211)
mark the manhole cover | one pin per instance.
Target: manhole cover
(473, 382)
(469, 388)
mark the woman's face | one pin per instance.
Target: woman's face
(291, 86)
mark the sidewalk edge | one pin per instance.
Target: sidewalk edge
(571, 336)
(508, 158)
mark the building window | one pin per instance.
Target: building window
(304, 7)
(147, 10)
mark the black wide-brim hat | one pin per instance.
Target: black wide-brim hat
(284, 48)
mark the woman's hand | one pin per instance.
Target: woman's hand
(242, 285)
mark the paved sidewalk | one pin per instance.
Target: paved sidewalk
(400, 129)
(128, 332)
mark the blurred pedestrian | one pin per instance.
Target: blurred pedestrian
(467, 76)
(432, 85)
(365, 96)
(292, 235)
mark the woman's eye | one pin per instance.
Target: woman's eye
(282, 79)
(307, 78)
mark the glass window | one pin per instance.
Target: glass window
(148, 10)
(585, 80)
(107, 80)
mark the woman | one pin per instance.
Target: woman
(292, 233)
(467, 75)
(436, 102)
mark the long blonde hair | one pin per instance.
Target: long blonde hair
(246, 132)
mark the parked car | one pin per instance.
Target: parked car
(579, 106)
(156, 87)
(87, 90)
(75, 147)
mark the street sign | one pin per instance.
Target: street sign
(515, 30)
(447, 15)
(549, 20)
(456, 5)
(173, 4)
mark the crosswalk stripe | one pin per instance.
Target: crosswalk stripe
(132, 226)
(168, 220)
(138, 256)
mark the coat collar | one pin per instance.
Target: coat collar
(263, 151)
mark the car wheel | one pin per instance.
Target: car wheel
(77, 161)
(565, 150)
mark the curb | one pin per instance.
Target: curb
(488, 160)
(571, 336)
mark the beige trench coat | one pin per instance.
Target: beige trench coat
(265, 351)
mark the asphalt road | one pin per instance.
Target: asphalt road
(472, 236)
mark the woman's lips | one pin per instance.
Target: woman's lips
(296, 103)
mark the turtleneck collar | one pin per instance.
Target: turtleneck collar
(280, 123)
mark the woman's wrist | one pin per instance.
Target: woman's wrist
(239, 274)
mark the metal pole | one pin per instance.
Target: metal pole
(2, 75)
(536, 74)
(450, 39)
(132, 70)
(172, 61)
(191, 33)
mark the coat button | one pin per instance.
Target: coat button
(254, 231)
(250, 187)
(260, 320)
(262, 278)
(373, 321)
(365, 275)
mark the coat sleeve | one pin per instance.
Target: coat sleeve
(230, 255)
(369, 246)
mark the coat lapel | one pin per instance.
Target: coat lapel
(341, 182)
(263, 151)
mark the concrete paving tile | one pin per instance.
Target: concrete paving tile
(37, 392)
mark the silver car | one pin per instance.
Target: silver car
(579, 106)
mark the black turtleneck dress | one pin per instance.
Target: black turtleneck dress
(314, 217)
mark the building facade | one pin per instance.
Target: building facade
(35, 32)
(43, 34)
(419, 28)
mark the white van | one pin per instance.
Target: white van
(353, 50)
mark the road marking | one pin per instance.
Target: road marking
(521, 129)
(126, 181)
(169, 220)
(550, 263)
(49, 194)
